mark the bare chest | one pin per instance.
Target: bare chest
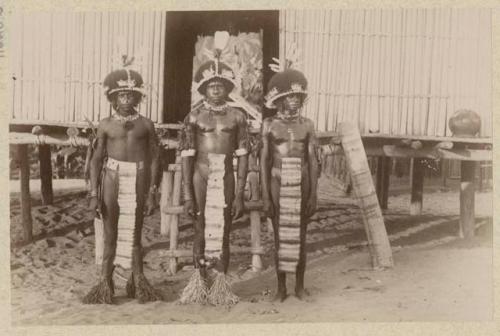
(216, 123)
(283, 132)
(117, 131)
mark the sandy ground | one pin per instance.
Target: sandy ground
(437, 276)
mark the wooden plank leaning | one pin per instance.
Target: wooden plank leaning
(364, 190)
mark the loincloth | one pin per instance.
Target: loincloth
(289, 214)
(214, 206)
(126, 178)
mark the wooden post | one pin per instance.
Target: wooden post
(417, 186)
(167, 183)
(24, 167)
(467, 220)
(174, 221)
(383, 176)
(480, 168)
(253, 181)
(444, 171)
(362, 183)
(45, 174)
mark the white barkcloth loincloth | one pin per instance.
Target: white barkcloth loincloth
(214, 206)
(127, 203)
(289, 214)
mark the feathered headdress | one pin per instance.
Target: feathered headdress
(286, 80)
(215, 68)
(124, 78)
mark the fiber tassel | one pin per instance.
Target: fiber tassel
(220, 293)
(196, 290)
(145, 292)
(101, 293)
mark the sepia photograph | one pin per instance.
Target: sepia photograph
(288, 165)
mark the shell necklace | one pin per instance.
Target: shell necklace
(127, 121)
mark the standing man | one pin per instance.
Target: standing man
(213, 133)
(123, 168)
(289, 173)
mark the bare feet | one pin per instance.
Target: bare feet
(301, 293)
(280, 295)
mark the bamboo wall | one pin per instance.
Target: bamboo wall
(58, 61)
(397, 71)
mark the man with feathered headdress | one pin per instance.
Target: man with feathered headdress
(213, 132)
(289, 173)
(126, 146)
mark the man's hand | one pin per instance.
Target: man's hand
(150, 204)
(268, 209)
(311, 206)
(93, 204)
(189, 207)
(238, 208)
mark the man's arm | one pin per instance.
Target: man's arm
(96, 163)
(264, 163)
(154, 155)
(187, 150)
(313, 166)
(242, 154)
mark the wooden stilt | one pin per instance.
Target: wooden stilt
(383, 176)
(255, 229)
(174, 221)
(364, 190)
(45, 174)
(467, 218)
(480, 168)
(417, 187)
(27, 222)
(167, 184)
(444, 171)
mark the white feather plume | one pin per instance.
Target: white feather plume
(221, 38)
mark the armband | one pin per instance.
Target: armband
(188, 152)
(241, 152)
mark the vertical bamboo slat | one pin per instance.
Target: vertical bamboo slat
(410, 69)
(60, 59)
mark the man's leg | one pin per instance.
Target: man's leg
(200, 192)
(228, 218)
(301, 266)
(103, 292)
(138, 286)
(275, 196)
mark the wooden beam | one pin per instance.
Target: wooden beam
(485, 140)
(27, 222)
(432, 153)
(24, 138)
(466, 154)
(467, 217)
(417, 187)
(45, 174)
(16, 122)
(364, 190)
(383, 177)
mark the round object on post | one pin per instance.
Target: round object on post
(72, 132)
(37, 130)
(465, 123)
